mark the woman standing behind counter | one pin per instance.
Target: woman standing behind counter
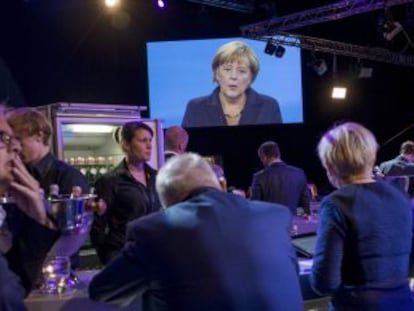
(128, 190)
(233, 102)
(364, 235)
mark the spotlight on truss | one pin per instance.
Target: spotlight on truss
(391, 29)
(280, 51)
(365, 72)
(270, 48)
(274, 49)
(320, 66)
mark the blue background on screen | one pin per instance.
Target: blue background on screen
(181, 70)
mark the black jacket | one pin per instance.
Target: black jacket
(126, 200)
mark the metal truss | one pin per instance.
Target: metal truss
(338, 48)
(317, 15)
(246, 6)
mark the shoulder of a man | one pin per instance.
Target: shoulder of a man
(384, 164)
(65, 167)
(259, 174)
(297, 170)
(69, 175)
(147, 222)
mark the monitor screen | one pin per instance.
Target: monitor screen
(179, 71)
(305, 244)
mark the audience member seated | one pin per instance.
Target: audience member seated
(31, 233)
(365, 228)
(34, 131)
(207, 250)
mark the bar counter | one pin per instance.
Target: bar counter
(72, 300)
(77, 299)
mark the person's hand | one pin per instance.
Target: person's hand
(26, 192)
(98, 206)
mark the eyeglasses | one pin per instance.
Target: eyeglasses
(6, 138)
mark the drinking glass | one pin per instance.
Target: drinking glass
(56, 271)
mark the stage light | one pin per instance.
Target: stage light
(339, 92)
(89, 128)
(365, 72)
(320, 66)
(111, 3)
(270, 48)
(274, 49)
(362, 71)
(280, 51)
(160, 4)
(391, 29)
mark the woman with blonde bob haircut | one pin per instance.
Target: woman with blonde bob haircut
(364, 236)
(233, 102)
(348, 153)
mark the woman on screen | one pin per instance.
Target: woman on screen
(365, 228)
(233, 102)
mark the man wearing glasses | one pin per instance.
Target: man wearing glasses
(32, 231)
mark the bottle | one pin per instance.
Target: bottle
(76, 192)
(77, 207)
(53, 192)
(294, 230)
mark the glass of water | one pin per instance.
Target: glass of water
(56, 271)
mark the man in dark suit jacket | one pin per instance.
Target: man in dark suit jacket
(402, 165)
(208, 250)
(279, 182)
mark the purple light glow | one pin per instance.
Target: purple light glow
(160, 4)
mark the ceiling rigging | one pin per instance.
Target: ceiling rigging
(272, 29)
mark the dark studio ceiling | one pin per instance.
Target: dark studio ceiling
(80, 41)
(188, 18)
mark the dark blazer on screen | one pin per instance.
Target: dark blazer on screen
(207, 110)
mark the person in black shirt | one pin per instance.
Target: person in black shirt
(128, 190)
(33, 130)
